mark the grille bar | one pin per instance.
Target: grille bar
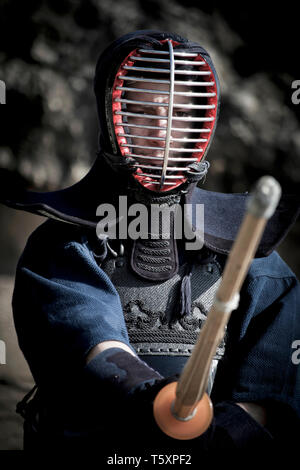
(143, 90)
(161, 138)
(169, 168)
(192, 83)
(154, 104)
(170, 177)
(176, 54)
(152, 116)
(171, 159)
(160, 92)
(147, 103)
(177, 149)
(140, 79)
(179, 72)
(166, 61)
(178, 129)
(166, 183)
(156, 80)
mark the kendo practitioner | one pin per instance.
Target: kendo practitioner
(105, 320)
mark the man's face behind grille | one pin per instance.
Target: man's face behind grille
(150, 140)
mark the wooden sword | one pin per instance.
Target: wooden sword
(183, 409)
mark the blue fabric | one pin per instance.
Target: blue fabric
(64, 304)
(258, 362)
(224, 213)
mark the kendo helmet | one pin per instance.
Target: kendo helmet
(158, 101)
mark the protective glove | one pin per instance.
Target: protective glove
(128, 388)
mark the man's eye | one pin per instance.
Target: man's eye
(136, 110)
(180, 114)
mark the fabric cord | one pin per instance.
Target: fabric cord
(185, 301)
(185, 298)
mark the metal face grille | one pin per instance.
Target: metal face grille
(164, 111)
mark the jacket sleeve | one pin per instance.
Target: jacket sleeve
(258, 364)
(63, 302)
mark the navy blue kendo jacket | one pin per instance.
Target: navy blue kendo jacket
(64, 304)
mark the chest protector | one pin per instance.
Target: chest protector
(160, 337)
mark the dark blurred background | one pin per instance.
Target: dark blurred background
(48, 128)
